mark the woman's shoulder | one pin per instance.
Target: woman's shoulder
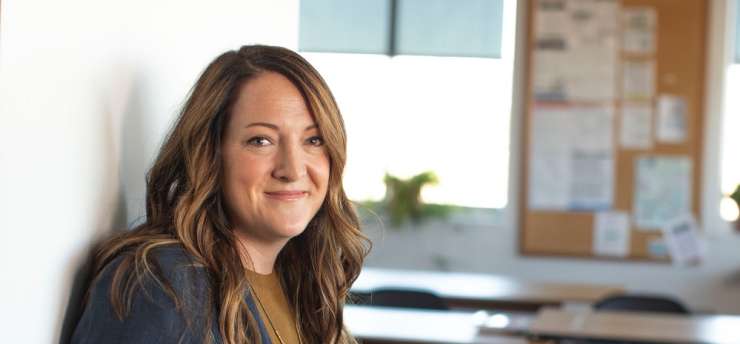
(167, 304)
(174, 254)
(175, 262)
(170, 267)
(171, 275)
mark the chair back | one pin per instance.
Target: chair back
(641, 303)
(632, 303)
(406, 298)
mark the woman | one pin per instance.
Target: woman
(249, 236)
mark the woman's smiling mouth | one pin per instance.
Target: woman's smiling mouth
(286, 195)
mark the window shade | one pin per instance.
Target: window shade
(342, 26)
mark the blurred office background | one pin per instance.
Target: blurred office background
(89, 88)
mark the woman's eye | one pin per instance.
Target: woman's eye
(258, 141)
(316, 141)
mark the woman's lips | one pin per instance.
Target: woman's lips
(286, 195)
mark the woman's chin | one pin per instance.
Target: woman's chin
(290, 230)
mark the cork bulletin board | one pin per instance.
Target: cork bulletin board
(613, 124)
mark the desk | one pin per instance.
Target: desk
(636, 327)
(482, 291)
(374, 325)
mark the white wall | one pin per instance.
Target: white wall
(87, 90)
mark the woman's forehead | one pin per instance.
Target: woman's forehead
(271, 98)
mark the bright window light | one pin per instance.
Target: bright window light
(731, 125)
(728, 209)
(410, 114)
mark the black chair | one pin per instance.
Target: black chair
(406, 298)
(632, 303)
(641, 303)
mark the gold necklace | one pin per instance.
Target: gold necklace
(269, 319)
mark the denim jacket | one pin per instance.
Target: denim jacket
(153, 316)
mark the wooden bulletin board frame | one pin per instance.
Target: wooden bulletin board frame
(680, 60)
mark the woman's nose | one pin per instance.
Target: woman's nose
(290, 163)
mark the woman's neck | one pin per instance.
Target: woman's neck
(258, 256)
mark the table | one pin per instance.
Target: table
(482, 291)
(373, 325)
(636, 326)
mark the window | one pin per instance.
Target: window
(469, 28)
(730, 161)
(737, 33)
(730, 126)
(448, 28)
(345, 26)
(410, 114)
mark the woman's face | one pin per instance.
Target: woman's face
(276, 168)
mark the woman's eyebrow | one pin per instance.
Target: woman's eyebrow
(262, 124)
(275, 127)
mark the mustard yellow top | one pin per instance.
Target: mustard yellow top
(271, 299)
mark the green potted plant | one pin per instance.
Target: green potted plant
(403, 199)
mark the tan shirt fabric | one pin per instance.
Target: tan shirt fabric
(271, 296)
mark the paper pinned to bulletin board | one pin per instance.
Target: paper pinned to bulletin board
(612, 233)
(575, 52)
(639, 25)
(638, 80)
(572, 158)
(662, 191)
(636, 126)
(683, 240)
(672, 119)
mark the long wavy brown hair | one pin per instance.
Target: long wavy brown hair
(185, 206)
